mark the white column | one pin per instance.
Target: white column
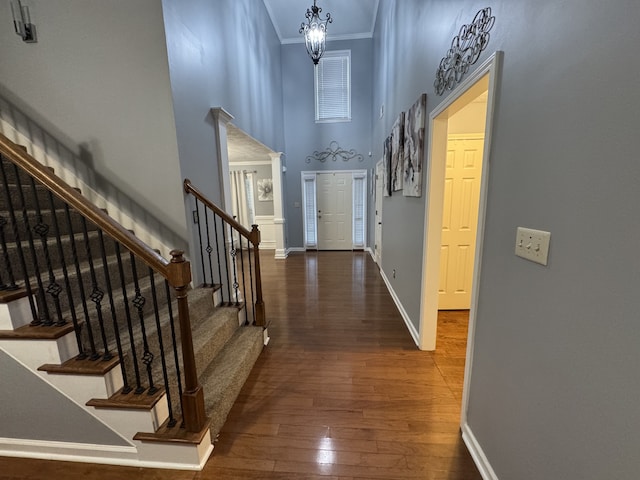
(222, 118)
(278, 215)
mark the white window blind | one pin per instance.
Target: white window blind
(359, 209)
(333, 87)
(310, 218)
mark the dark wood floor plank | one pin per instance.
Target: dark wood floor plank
(340, 393)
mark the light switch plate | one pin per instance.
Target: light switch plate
(533, 245)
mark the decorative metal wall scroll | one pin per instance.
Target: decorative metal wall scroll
(465, 50)
(333, 152)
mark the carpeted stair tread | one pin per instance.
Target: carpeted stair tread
(210, 337)
(224, 378)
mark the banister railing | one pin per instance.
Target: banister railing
(46, 229)
(238, 280)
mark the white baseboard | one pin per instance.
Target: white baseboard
(281, 253)
(370, 251)
(89, 453)
(479, 458)
(405, 316)
(295, 249)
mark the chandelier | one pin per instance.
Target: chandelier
(315, 32)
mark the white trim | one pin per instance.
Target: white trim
(295, 249)
(370, 252)
(331, 38)
(249, 163)
(222, 118)
(433, 214)
(479, 458)
(266, 225)
(79, 453)
(403, 312)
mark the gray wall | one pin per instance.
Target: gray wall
(303, 136)
(221, 54)
(554, 385)
(31, 409)
(98, 77)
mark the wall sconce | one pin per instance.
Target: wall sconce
(22, 22)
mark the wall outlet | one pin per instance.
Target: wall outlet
(533, 245)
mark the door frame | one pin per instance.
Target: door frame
(466, 91)
(313, 174)
(377, 219)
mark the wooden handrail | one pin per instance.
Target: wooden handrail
(253, 236)
(75, 200)
(249, 235)
(177, 271)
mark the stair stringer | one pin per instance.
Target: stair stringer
(125, 423)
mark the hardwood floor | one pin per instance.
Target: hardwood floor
(341, 391)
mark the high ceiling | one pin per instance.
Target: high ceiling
(351, 18)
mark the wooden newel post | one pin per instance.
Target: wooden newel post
(255, 240)
(193, 413)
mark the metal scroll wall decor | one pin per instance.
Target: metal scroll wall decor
(334, 152)
(465, 50)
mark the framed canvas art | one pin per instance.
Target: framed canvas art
(386, 162)
(397, 146)
(414, 148)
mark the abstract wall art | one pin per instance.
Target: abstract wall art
(414, 148)
(397, 146)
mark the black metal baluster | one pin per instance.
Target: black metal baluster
(208, 249)
(244, 284)
(138, 302)
(215, 232)
(97, 294)
(174, 341)
(44, 312)
(226, 261)
(16, 236)
(253, 302)
(65, 274)
(12, 285)
(42, 230)
(123, 284)
(107, 279)
(233, 254)
(204, 274)
(163, 362)
(83, 297)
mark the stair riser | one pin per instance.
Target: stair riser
(54, 260)
(47, 218)
(101, 283)
(28, 198)
(23, 176)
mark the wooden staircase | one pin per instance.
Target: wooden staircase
(109, 326)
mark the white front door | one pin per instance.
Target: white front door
(459, 222)
(334, 204)
(377, 248)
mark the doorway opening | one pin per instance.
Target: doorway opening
(438, 260)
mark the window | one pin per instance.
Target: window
(310, 225)
(333, 87)
(359, 208)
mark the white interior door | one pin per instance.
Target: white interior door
(334, 203)
(377, 248)
(459, 222)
